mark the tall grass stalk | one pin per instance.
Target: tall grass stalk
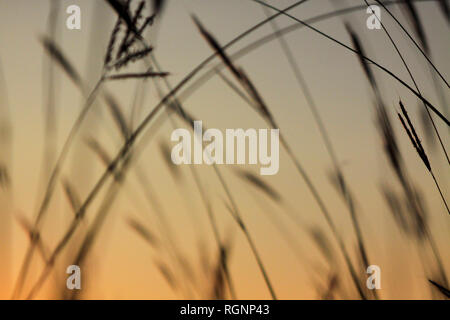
(415, 85)
(177, 106)
(418, 215)
(342, 187)
(55, 53)
(6, 183)
(271, 37)
(390, 73)
(414, 42)
(128, 146)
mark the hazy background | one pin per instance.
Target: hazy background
(122, 266)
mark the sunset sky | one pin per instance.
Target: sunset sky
(122, 265)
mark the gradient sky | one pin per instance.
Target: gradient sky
(122, 264)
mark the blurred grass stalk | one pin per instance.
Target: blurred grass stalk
(6, 196)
